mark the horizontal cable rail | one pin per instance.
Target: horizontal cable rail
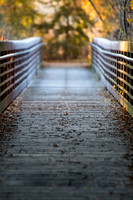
(21, 53)
(19, 61)
(114, 63)
(112, 54)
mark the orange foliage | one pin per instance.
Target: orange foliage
(3, 36)
(109, 23)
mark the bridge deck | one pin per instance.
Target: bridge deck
(66, 138)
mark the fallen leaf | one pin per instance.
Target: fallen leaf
(66, 113)
(55, 145)
(6, 151)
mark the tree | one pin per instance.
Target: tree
(105, 14)
(122, 6)
(110, 16)
(17, 18)
(68, 26)
(125, 8)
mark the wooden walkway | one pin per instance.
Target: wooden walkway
(66, 138)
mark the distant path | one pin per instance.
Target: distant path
(66, 138)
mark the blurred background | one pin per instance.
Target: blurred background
(66, 26)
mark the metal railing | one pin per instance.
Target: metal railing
(19, 61)
(113, 61)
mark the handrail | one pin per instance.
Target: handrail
(19, 44)
(19, 61)
(115, 69)
(22, 52)
(112, 54)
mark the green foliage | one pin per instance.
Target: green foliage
(17, 18)
(69, 25)
(65, 25)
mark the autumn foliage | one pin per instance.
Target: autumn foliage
(66, 26)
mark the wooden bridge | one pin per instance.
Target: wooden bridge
(65, 136)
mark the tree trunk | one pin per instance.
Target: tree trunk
(125, 32)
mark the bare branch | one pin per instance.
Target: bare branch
(117, 5)
(96, 10)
